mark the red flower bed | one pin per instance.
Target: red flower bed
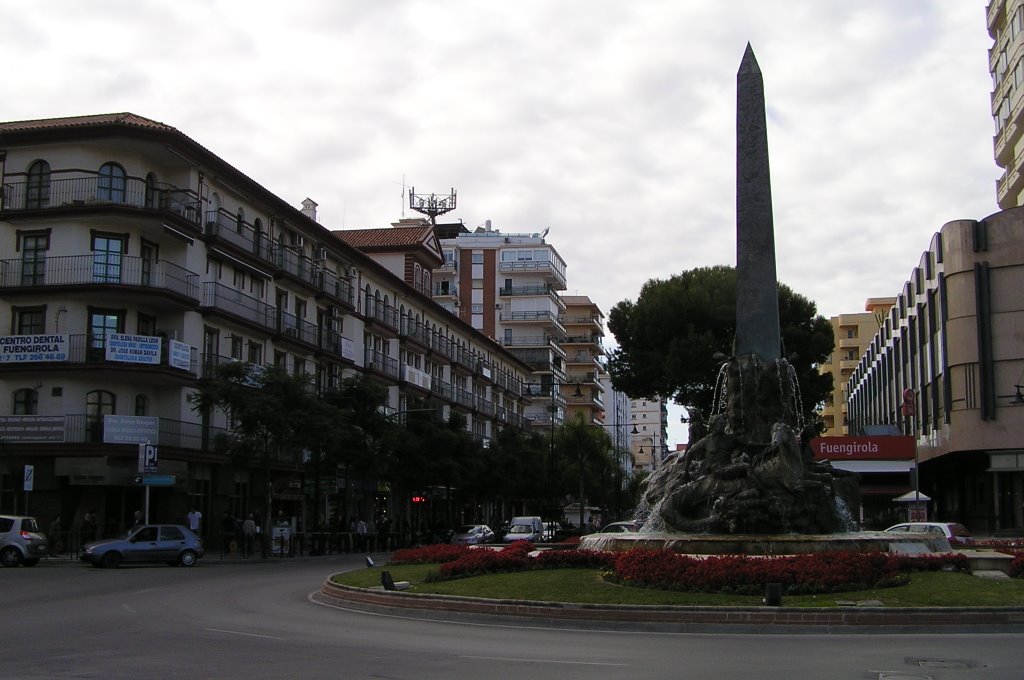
(817, 573)
(516, 557)
(428, 554)
(1017, 566)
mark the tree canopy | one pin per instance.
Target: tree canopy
(669, 338)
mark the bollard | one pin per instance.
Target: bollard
(773, 594)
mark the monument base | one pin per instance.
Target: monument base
(769, 544)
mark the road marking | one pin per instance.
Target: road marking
(534, 660)
(241, 632)
(128, 609)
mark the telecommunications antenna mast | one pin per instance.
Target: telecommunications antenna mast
(432, 205)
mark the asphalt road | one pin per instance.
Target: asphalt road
(258, 620)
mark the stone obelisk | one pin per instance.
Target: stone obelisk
(757, 297)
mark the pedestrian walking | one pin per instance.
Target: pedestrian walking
(195, 521)
(228, 529)
(248, 535)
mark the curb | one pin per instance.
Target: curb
(679, 618)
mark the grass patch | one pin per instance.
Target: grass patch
(926, 589)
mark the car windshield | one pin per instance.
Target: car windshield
(29, 524)
(959, 530)
(521, 529)
(469, 529)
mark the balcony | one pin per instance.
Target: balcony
(545, 318)
(88, 193)
(485, 407)
(445, 289)
(526, 291)
(220, 298)
(555, 277)
(85, 348)
(464, 358)
(80, 428)
(330, 284)
(414, 330)
(334, 343)
(107, 270)
(378, 312)
(297, 330)
(381, 363)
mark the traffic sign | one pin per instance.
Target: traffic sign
(29, 477)
(155, 480)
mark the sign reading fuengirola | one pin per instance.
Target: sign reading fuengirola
(133, 349)
(31, 348)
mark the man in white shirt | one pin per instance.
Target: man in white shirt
(195, 519)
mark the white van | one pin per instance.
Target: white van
(525, 529)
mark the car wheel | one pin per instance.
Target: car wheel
(30, 563)
(110, 560)
(10, 556)
(187, 558)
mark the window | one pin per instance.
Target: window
(145, 325)
(98, 403)
(37, 194)
(151, 201)
(478, 258)
(255, 353)
(111, 183)
(29, 320)
(33, 258)
(236, 346)
(103, 322)
(107, 251)
(141, 405)
(25, 402)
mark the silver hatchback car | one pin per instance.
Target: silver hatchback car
(169, 543)
(20, 541)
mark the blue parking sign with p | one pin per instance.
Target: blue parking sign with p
(147, 458)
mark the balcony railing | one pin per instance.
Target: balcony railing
(338, 288)
(514, 291)
(88, 191)
(485, 406)
(81, 428)
(221, 297)
(335, 343)
(110, 269)
(386, 314)
(381, 363)
(442, 389)
(541, 266)
(297, 329)
(415, 330)
(86, 348)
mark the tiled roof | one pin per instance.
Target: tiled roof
(384, 238)
(128, 119)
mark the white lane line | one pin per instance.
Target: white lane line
(128, 609)
(240, 632)
(516, 660)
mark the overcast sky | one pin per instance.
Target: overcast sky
(610, 122)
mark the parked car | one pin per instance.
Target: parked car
(20, 541)
(525, 529)
(629, 526)
(473, 534)
(955, 532)
(170, 543)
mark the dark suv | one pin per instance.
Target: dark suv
(20, 541)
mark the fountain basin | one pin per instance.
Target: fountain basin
(769, 544)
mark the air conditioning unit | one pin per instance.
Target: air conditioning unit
(298, 241)
(497, 306)
(321, 253)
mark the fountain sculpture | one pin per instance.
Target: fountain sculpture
(745, 484)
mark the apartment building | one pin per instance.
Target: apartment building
(946, 367)
(650, 442)
(584, 390)
(507, 286)
(134, 261)
(853, 333)
(1005, 20)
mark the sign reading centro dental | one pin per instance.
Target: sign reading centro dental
(31, 348)
(133, 349)
(896, 447)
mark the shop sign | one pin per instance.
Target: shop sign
(133, 349)
(130, 429)
(897, 447)
(33, 348)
